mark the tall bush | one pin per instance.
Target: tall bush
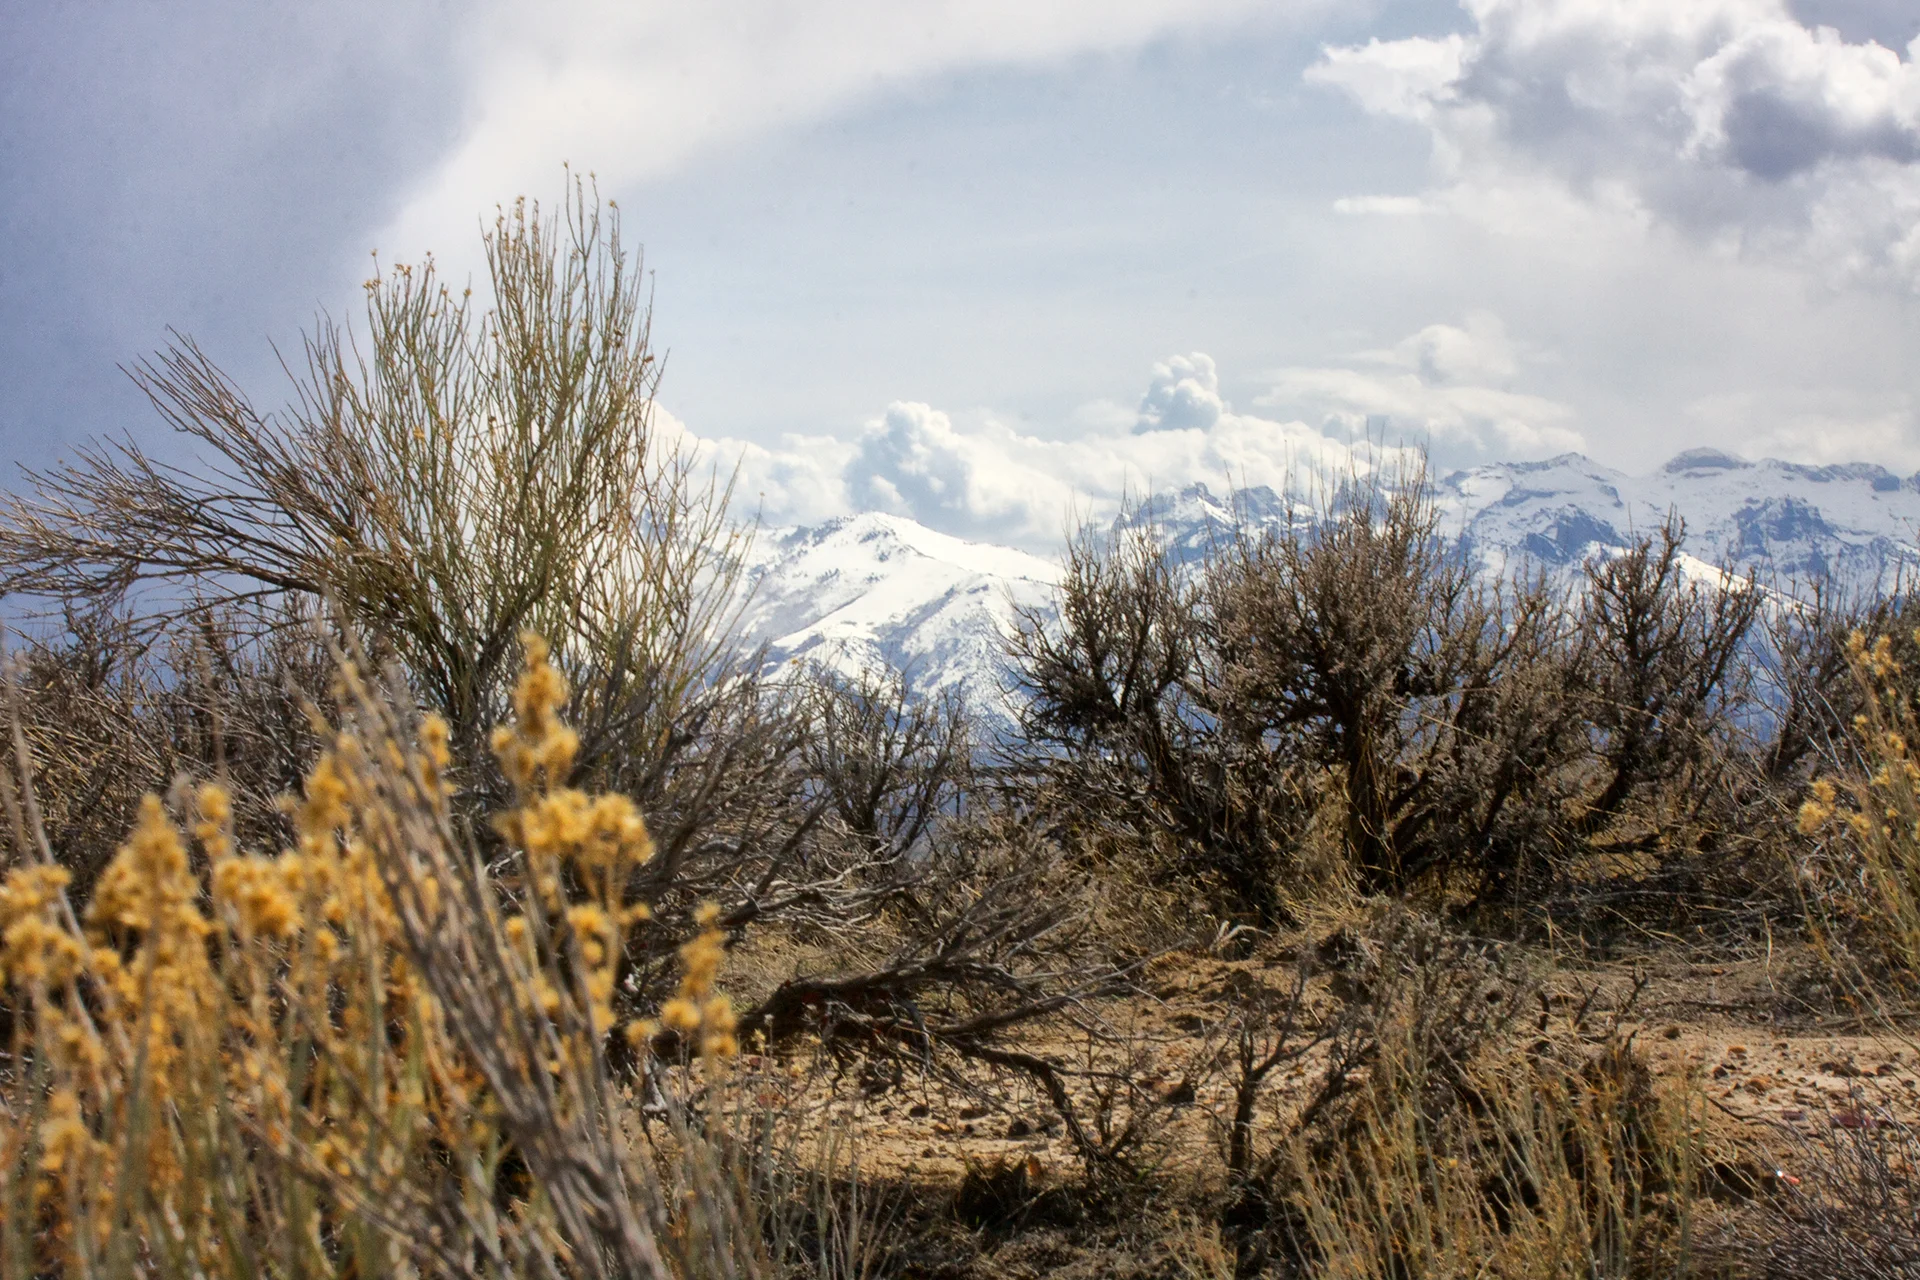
(462, 470)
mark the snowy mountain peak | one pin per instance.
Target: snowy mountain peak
(1785, 521)
(882, 589)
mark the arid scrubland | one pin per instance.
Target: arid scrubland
(405, 873)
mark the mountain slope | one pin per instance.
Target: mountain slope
(877, 588)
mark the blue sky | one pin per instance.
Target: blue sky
(976, 262)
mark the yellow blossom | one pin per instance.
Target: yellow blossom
(255, 888)
(680, 1014)
(214, 830)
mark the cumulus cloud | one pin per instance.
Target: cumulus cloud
(913, 462)
(1445, 354)
(1449, 386)
(801, 480)
(1780, 99)
(1185, 392)
(991, 481)
(1728, 118)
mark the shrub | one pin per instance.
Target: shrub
(1122, 739)
(464, 475)
(1449, 1132)
(1351, 678)
(109, 714)
(1845, 1204)
(888, 765)
(1861, 875)
(1440, 704)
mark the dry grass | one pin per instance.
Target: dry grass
(369, 1056)
(1862, 877)
(1523, 1165)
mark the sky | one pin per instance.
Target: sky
(987, 263)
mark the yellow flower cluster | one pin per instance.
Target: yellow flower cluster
(594, 842)
(1817, 811)
(148, 900)
(537, 750)
(272, 999)
(293, 1000)
(1874, 658)
(35, 948)
(702, 1016)
(599, 839)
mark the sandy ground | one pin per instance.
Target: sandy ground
(1770, 1065)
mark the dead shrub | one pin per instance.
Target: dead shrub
(1844, 1204)
(110, 714)
(1122, 748)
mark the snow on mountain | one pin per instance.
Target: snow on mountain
(871, 589)
(1789, 523)
(881, 588)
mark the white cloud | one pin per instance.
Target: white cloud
(630, 88)
(1185, 392)
(1729, 119)
(1478, 352)
(990, 481)
(913, 462)
(1816, 426)
(1780, 99)
(1449, 385)
(1382, 206)
(801, 481)
(1407, 78)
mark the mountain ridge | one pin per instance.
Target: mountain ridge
(879, 588)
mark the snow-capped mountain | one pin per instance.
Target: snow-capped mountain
(882, 588)
(877, 588)
(1788, 523)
